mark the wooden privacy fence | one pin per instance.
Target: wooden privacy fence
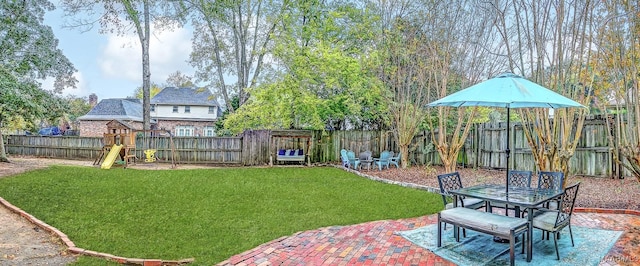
(54, 147)
(484, 148)
(225, 150)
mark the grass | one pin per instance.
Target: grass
(207, 214)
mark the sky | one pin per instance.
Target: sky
(110, 65)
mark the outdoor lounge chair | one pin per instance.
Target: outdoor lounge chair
(394, 160)
(365, 159)
(349, 159)
(354, 162)
(344, 158)
(383, 160)
(553, 221)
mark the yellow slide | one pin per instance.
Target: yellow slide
(111, 157)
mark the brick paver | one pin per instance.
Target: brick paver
(374, 243)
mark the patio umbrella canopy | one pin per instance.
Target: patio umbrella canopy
(507, 90)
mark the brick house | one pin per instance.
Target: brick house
(183, 111)
(94, 123)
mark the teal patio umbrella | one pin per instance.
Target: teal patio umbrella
(507, 90)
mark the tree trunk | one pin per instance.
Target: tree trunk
(143, 36)
(3, 154)
(146, 72)
(404, 156)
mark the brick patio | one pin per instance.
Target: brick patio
(375, 243)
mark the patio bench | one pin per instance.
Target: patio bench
(502, 226)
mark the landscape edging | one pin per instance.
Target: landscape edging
(71, 247)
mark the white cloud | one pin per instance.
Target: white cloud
(121, 58)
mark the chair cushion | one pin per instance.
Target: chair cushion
(281, 152)
(291, 152)
(471, 203)
(300, 152)
(546, 220)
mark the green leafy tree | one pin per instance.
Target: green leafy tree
(25, 101)
(293, 102)
(77, 106)
(29, 52)
(324, 82)
(29, 48)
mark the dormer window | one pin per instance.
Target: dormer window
(187, 109)
(153, 108)
(212, 109)
(175, 108)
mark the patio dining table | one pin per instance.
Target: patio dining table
(523, 197)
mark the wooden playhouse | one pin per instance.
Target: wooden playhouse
(122, 136)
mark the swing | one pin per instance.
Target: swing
(291, 138)
(150, 154)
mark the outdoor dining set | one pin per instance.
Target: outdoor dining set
(547, 207)
(365, 159)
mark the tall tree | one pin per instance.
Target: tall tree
(549, 42)
(618, 77)
(138, 14)
(232, 40)
(404, 73)
(425, 57)
(29, 52)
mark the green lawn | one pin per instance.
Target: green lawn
(207, 214)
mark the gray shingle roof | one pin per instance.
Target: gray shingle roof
(185, 96)
(108, 109)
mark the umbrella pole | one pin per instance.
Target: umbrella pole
(508, 151)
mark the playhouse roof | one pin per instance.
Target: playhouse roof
(119, 124)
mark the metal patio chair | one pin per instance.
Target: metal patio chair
(514, 179)
(553, 221)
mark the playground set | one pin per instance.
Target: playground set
(120, 143)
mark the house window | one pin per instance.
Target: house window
(184, 131)
(175, 108)
(212, 109)
(153, 108)
(187, 109)
(209, 131)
